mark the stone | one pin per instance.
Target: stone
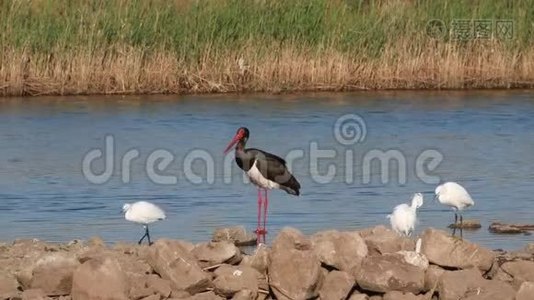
(414, 258)
(466, 224)
(174, 263)
(8, 286)
(244, 295)
(526, 291)
(152, 297)
(396, 295)
(127, 257)
(520, 270)
(158, 285)
(231, 279)
(294, 269)
(341, 250)
(446, 251)
(33, 294)
(432, 276)
(259, 260)
(214, 253)
(469, 284)
(53, 272)
(336, 285)
(497, 227)
(390, 272)
(99, 278)
(237, 235)
(358, 296)
(203, 296)
(382, 240)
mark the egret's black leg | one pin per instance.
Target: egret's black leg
(145, 235)
(455, 223)
(148, 236)
(461, 227)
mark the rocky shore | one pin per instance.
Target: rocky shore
(373, 263)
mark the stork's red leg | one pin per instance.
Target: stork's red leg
(260, 202)
(265, 206)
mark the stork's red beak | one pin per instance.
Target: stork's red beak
(234, 141)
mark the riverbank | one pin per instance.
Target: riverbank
(122, 47)
(373, 263)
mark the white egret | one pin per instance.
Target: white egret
(404, 216)
(143, 212)
(454, 195)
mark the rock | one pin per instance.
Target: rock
(33, 294)
(158, 285)
(381, 240)
(432, 277)
(390, 272)
(259, 260)
(127, 256)
(497, 227)
(203, 296)
(526, 291)
(466, 224)
(357, 296)
(396, 295)
(294, 269)
(341, 250)
(414, 258)
(244, 295)
(520, 270)
(336, 285)
(96, 242)
(173, 262)
(99, 278)
(214, 253)
(469, 284)
(152, 297)
(443, 250)
(139, 290)
(231, 279)
(237, 235)
(8, 286)
(52, 274)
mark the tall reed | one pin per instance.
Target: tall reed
(203, 46)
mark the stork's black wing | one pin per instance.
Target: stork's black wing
(274, 168)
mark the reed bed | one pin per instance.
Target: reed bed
(67, 47)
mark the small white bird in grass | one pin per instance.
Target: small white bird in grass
(454, 195)
(143, 212)
(404, 216)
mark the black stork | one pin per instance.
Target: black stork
(265, 170)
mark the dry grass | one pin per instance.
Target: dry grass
(131, 71)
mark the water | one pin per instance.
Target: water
(486, 138)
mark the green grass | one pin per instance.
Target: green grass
(136, 46)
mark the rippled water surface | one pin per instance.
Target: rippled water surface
(486, 139)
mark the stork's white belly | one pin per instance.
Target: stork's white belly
(258, 179)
